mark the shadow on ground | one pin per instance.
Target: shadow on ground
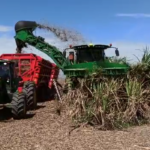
(5, 114)
(40, 106)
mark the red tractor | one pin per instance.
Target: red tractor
(36, 79)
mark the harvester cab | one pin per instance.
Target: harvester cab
(87, 53)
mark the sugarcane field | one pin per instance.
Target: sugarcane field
(77, 81)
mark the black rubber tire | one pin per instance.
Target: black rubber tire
(19, 107)
(31, 95)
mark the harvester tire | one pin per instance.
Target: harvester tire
(19, 107)
(31, 95)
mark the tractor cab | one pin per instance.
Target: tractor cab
(8, 75)
(87, 53)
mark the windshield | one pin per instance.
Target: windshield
(4, 69)
(90, 54)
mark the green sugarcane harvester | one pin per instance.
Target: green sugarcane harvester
(82, 60)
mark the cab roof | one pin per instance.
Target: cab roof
(79, 47)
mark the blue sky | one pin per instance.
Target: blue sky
(124, 23)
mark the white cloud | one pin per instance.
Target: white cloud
(8, 45)
(126, 48)
(134, 15)
(131, 50)
(5, 28)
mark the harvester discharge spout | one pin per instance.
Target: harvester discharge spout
(24, 35)
(28, 25)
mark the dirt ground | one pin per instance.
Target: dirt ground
(46, 130)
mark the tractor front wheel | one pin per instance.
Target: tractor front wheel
(31, 95)
(19, 108)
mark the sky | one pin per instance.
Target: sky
(124, 23)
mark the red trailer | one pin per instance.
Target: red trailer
(31, 67)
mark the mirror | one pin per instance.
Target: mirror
(64, 53)
(117, 52)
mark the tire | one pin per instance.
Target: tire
(19, 108)
(31, 95)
